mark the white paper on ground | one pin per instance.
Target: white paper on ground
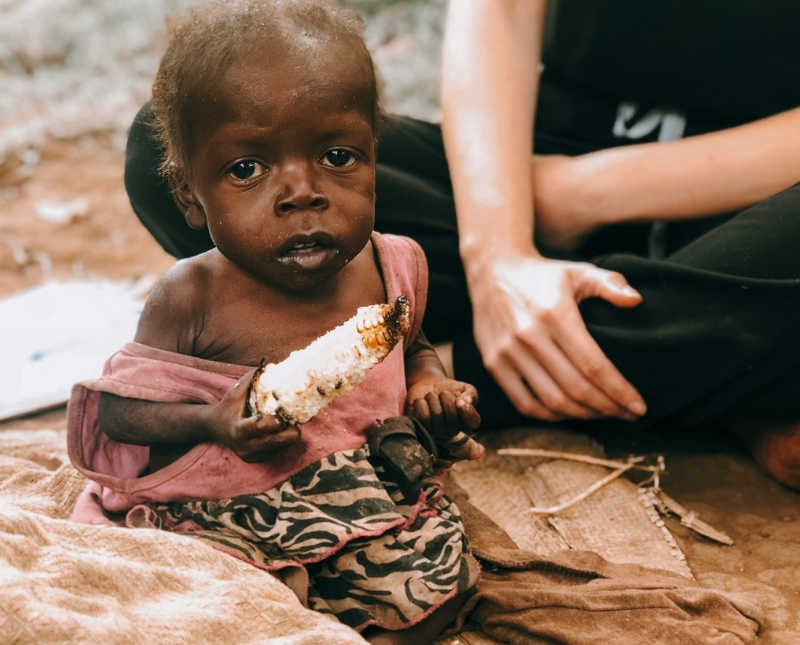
(59, 333)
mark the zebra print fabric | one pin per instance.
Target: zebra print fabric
(364, 553)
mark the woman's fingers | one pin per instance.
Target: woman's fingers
(594, 282)
(569, 382)
(585, 354)
(548, 391)
(512, 382)
(545, 382)
(555, 363)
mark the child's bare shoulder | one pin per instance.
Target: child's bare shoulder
(176, 308)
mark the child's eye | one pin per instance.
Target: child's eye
(246, 169)
(338, 158)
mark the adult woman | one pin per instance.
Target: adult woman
(712, 316)
(712, 320)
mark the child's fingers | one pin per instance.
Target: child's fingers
(436, 416)
(469, 394)
(281, 437)
(449, 409)
(258, 449)
(273, 440)
(258, 425)
(468, 415)
(235, 399)
(422, 411)
(246, 378)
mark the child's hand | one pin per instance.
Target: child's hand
(445, 406)
(252, 438)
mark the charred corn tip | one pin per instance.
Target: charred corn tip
(308, 379)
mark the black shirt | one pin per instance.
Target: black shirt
(715, 62)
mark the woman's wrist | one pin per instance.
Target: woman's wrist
(480, 256)
(483, 266)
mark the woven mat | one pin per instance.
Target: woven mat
(612, 522)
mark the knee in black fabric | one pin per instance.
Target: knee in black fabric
(414, 199)
(757, 242)
(414, 146)
(150, 194)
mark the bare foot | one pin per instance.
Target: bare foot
(775, 445)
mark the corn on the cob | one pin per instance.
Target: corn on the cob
(308, 379)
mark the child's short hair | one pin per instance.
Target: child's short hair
(206, 41)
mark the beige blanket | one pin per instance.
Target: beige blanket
(62, 582)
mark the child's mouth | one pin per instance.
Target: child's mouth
(308, 252)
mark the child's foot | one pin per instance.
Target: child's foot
(775, 446)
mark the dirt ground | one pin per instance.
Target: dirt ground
(710, 475)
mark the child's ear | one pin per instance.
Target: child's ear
(192, 211)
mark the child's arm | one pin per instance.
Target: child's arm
(252, 438)
(171, 320)
(444, 405)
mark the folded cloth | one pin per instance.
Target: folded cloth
(578, 597)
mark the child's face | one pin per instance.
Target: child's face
(283, 169)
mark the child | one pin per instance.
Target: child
(268, 113)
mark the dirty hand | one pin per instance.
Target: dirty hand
(534, 342)
(252, 438)
(445, 406)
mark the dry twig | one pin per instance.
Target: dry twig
(663, 502)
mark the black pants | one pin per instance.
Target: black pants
(720, 319)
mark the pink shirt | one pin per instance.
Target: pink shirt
(209, 470)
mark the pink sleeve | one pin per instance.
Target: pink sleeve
(138, 372)
(405, 272)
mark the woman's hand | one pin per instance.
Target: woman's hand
(445, 406)
(534, 342)
(252, 438)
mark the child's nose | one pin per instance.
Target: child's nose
(299, 191)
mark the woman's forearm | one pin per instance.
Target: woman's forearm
(703, 175)
(490, 67)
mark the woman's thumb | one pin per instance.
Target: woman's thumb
(610, 286)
